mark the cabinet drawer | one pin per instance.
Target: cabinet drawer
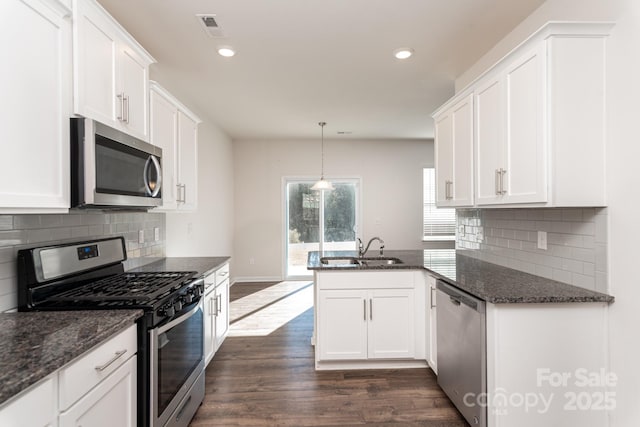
(82, 375)
(222, 274)
(210, 280)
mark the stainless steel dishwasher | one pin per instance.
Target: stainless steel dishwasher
(462, 368)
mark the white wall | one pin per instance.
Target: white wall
(391, 197)
(623, 152)
(209, 230)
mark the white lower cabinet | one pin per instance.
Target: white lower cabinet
(35, 407)
(552, 357)
(432, 325)
(342, 327)
(369, 316)
(367, 324)
(216, 311)
(97, 389)
(110, 403)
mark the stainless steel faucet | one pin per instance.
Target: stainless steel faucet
(362, 250)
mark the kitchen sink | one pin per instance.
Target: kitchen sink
(355, 261)
(378, 261)
(339, 261)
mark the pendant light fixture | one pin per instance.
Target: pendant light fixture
(322, 185)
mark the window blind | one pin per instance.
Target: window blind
(438, 223)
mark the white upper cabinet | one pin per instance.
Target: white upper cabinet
(163, 133)
(454, 153)
(510, 145)
(175, 129)
(111, 82)
(187, 161)
(36, 86)
(538, 123)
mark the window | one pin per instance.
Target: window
(438, 223)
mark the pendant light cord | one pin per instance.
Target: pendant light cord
(322, 124)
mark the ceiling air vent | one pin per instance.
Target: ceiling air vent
(210, 24)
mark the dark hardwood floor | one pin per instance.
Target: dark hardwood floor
(270, 380)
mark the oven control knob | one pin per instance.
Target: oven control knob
(188, 297)
(168, 311)
(177, 305)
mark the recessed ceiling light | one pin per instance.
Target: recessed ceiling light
(403, 53)
(226, 52)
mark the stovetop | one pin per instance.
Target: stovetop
(142, 287)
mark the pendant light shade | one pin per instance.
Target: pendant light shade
(323, 184)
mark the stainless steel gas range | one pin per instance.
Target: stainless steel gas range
(90, 275)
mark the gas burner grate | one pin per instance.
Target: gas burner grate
(143, 286)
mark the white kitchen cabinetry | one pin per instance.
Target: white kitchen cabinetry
(539, 123)
(454, 153)
(216, 309)
(111, 403)
(510, 142)
(35, 407)
(111, 82)
(96, 389)
(175, 129)
(375, 324)
(369, 318)
(432, 324)
(35, 84)
(555, 352)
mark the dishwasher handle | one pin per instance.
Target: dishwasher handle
(458, 296)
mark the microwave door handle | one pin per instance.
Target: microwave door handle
(156, 164)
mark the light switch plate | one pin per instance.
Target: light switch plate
(141, 236)
(156, 234)
(542, 240)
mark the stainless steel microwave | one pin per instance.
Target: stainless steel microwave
(110, 169)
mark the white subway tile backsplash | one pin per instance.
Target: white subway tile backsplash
(588, 282)
(562, 276)
(600, 228)
(601, 281)
(546, 272)
(589, 269)
(552, 214)
(572, 214)
(576, 242)
(601, 257)
(573, 266)
(6, 222)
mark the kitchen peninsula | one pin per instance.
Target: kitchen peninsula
(383, 316)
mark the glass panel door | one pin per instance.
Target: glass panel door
(303, 214)
(340, 218)
(318, 221)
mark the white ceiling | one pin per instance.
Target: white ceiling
(299, 62)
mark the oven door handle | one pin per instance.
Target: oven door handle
(180, 319)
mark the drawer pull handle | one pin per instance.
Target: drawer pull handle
(113, 359)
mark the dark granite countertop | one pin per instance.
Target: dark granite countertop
(201, 265)
(487, 281)
(36, 344)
